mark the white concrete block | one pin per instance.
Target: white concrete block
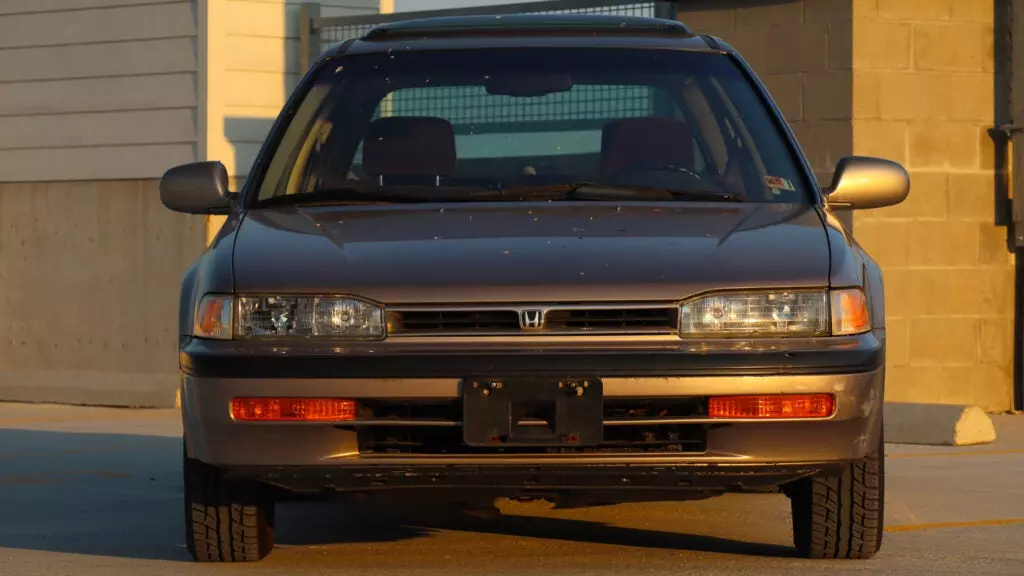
(937, 424)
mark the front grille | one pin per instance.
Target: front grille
(631, 427)
(452, 321)
(613, 320)
(411, 440)
(554, 319)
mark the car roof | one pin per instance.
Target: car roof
(527, 30)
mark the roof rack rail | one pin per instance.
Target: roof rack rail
(526, 24)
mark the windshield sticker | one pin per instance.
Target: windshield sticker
(777, 183)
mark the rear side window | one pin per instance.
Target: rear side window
(502, 118)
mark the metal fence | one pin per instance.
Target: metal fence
(317, 34)
(471, 109)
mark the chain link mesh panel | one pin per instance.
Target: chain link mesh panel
(472, 110)
(335, 30)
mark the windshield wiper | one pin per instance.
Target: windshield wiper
(611, 192)
(560, 192)
(373, 196)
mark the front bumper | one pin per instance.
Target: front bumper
(730, 453)
(521, 480)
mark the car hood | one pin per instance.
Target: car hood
(530, 252)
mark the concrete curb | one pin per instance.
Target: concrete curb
(937, 424)
(88, 388)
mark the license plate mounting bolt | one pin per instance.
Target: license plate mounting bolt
(488, 387)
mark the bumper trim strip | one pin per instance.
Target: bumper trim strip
(204, 359)
(608, 422)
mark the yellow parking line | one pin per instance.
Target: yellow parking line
(940, 454)
(938, 525)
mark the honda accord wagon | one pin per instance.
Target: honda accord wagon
(577, 259)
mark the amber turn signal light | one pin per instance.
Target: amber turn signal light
(293, 409)
(778, 406)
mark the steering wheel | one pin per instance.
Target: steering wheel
(655, 167)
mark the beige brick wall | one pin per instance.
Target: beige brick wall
(923, 96)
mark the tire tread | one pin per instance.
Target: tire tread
(225, 521)
(841, 515)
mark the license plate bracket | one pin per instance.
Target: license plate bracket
(532, 412)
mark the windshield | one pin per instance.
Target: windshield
(512, 125)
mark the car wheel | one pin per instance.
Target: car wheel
(841, 515)
(225, 520)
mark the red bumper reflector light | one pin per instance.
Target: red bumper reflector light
(293, 409)
(772, 406)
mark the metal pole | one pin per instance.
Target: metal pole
(1009, 116)
(665, 9)
(309, 35)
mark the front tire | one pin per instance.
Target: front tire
(225, 520)
(842, 515)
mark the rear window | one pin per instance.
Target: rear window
(498, 118)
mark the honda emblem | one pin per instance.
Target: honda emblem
(531, 319)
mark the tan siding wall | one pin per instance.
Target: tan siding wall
(923, 96)
(94, 89)
(253, 68)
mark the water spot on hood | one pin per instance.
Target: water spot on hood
(507, 252)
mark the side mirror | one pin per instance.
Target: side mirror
(861, 183)
(197, 188)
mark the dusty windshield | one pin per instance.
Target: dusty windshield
(500, 124)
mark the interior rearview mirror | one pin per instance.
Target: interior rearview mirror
(197, 188)
(528, 85)
(862, 183)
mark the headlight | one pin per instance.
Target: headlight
(308, 316)
(760, 314)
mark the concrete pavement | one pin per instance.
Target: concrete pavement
(91, 491)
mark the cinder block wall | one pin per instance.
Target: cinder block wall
(802, 50)
(912, 81)
(90, 275)
(923, 95)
